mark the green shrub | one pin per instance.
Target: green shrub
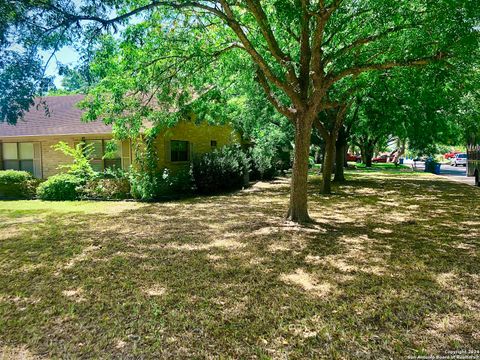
(17, 185)
(144, 185)
(263, 166)
(60, 187)
(8, 177)
(106, 189)
(81, 155)
(270, 154)
(152, 186)
(112, 184)
(181, 181)
(221, 170)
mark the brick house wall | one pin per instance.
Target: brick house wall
(50, 160)
(200, 139)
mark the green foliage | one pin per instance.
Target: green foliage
(117, 188)
(76, 80)
(145, 185)
(263, 166)
(271, 152)
(17, 185)
(81, 155)
(60, 187)
(224, 169)
(147, 180)
(424, 106)
(144, 175)
(21, 78)
(8, 177)
(158, 185)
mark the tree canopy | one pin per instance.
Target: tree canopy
(168, 54)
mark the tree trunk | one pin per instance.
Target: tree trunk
(339, 162)
(363, 155)
(298, 210)
(366, 150)
(340, 156)
(328, 166)
(368, 157)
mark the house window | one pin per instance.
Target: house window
(18, 156)
(213, 143)
(99, 161)
(179, 150)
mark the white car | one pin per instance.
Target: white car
(459, 159)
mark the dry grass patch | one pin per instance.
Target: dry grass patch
(308, 283)
(389, 269)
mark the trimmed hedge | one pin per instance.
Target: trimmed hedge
(17, 185)
(60, 187)
(8, 177)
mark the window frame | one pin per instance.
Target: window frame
(18, 159)
(187, 151)
(101, 160)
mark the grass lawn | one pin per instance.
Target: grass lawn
(390, 269)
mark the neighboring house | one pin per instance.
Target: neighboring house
(28, 144)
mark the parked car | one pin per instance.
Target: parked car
(380, 159)
(459, 159)
(451, 155)
(355, 158)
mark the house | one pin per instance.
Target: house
(28, 144)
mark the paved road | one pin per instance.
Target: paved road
(457, 174)
(453, 173)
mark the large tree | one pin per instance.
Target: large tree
(299, 49)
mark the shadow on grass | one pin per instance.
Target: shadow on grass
(389, 269)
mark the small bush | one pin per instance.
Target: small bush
(152, 186)
(17, 185)
(181, 182)
(263, 165)
(144, 185)
(106, 189)
(221, 170)
(8, 177)
(81, 155)
(270, 154)
(60, 187)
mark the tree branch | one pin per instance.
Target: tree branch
(321, 128)
(288, 112)
(256, 57)
(305, 50)
(106, 22)
(333, 78)
(272, 43)
(363, 41)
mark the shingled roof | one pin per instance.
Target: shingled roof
(63, 118)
